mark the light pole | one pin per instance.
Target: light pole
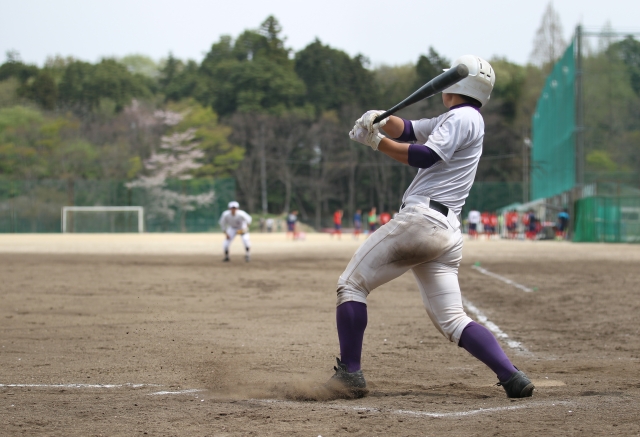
(526, 145)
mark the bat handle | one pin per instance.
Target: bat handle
(382, 116)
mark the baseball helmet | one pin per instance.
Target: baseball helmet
(233, 204)
(480, 81)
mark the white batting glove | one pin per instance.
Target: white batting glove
(367, 118)
(363, 136)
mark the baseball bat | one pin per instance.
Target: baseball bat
(431, 88)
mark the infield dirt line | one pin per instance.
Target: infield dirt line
(128, 385)
(534, 404)
(314, 405)
(492, 326)
(502, 278)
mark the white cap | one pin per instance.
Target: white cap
(480, 81)
(234, 204)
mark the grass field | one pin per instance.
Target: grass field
(151, 334)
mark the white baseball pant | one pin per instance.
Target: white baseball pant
(232, 234)
(423, 240)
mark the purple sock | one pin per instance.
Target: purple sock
(352, 321)
(480, 342)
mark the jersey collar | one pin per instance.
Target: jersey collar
(462, 105)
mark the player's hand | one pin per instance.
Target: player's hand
(226, 235)
(366, 137)
(366, 121)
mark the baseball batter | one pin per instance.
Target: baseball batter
(425, 235)
(234, 222)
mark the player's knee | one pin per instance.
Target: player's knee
(347, 292)
(453, 327)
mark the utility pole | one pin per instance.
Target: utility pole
(526, 147)
(579, 139)
(263, 170)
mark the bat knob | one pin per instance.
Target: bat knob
(462, 70)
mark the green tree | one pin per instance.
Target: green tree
(41, 89)
(221, 157)
(84, 86)
(20, 154)
(430, 66)
(394, 83)
(628, 51)
(333, 79)
(180, 81)
(252, 74)
(599, 160)
(509, 87)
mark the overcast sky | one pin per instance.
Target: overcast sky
(387, 32)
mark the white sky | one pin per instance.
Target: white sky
(387, 32)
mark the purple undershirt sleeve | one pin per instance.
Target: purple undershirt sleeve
(408, 134)
(422, 156)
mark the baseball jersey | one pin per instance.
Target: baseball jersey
(456, 136)
(241, 220)
(474, 216)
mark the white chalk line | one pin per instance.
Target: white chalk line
(415, 413)
(105, 386)
(492, 326)
(315, 405)
(179, 392)
(128, 385)
(503, 279)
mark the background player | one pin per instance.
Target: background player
(337, 223)
(512, 224)
(234, 222)
(486, 224)
(292, 223)
(425, 236)
(372, 220)
(357, 223)
(493, 222)
(474, 219)
(563, 224)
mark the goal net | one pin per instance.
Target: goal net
(105, 219)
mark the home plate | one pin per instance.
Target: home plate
(547, 383)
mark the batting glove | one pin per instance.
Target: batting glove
(367, 118)
(363, 136)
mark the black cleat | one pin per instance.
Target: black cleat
(346, 385)
(518, 386)
(226, 259)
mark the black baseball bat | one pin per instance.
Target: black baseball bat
(431, 88)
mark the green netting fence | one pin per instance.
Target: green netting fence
(553, 131)
(607, 220)
(491, 196)
(36, 206)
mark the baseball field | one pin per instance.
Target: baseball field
(151, 334)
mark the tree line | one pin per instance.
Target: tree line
(274, 120)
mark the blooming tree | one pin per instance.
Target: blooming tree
(177, 157)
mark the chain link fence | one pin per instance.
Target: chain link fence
(36, 206)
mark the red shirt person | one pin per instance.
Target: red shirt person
(385, 217)
(485, 218)
(337, 223)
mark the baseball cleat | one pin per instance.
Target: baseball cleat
(346, 385)
(226, 259)
(518, 386)
(247, 258)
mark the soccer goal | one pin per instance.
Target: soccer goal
(102, 219)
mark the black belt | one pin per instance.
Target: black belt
(434, 204)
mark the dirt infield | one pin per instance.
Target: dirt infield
(153, 335)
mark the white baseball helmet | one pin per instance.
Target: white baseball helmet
(233, 204)
(480, 81)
